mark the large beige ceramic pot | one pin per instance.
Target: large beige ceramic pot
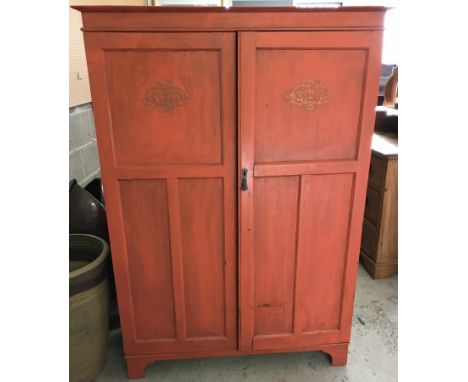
(89, 305)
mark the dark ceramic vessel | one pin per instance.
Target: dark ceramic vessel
(87, 215)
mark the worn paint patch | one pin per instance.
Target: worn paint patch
(271, 305)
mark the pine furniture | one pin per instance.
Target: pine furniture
(234, 148)
(379, 245)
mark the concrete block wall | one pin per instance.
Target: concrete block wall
(83, 154)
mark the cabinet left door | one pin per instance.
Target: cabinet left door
(164, 106)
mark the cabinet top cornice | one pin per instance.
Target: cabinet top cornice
(203, 9)
(199, 18)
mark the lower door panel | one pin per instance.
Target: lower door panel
(301, 226)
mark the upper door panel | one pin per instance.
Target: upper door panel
(305, 99)
(169, 88)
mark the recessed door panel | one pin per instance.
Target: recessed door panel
(305, 99)
(171, 95)
(145, 214)
(323, 247)
(202, 233)
(275, 212)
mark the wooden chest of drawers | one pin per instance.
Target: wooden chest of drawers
(379, 245)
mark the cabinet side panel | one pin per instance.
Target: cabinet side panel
(325, 248)
(145, 213)
(388, 239)
(202, 234)
(275, 213)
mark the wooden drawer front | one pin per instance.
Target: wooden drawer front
(369, 237)
(377, 172)
(372, 211)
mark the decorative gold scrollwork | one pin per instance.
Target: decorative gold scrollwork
(166, 96)
(309, 93)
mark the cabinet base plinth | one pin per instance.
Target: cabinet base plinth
(136, 367)
(136, 364)
(338, 354)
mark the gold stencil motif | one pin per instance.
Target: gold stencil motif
(309, 93)
(166, 96)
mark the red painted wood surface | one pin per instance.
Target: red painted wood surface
(203, 268)
(170, 176)
(139, 19)
(303, 210)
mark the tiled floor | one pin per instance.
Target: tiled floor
(372, 354)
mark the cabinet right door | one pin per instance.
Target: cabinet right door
(306, 113)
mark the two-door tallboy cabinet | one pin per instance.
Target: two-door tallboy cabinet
(235, 148)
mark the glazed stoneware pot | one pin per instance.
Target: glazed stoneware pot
(88, 215)
(96, 189)
(89, 306)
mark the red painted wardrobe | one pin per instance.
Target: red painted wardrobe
(234, 147)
